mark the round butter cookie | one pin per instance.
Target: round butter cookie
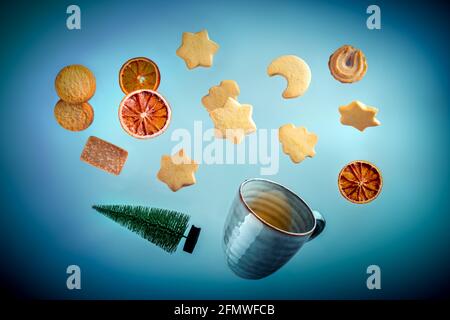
(75, 84)
(74, 116)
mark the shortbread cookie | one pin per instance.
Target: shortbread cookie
(358, 115)
(74, 116)
(104, 155)
(298, 143)
(75, 84)
(233, 121)
(218, 95)
(177, 171)
(296, 72)
(348, 64)
(197, 49)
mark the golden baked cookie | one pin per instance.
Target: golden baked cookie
(298, 143)
(218, 95)
(348, 64)
(197, 49)
(233, 121)
(74, 116)
(296, 72)
(104, 155)
(75, 84)
(358, 115)
(177, 171)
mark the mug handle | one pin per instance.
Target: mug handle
(320, 224)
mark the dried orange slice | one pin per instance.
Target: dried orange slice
(360, 182)
(144, 114)
(139, 73)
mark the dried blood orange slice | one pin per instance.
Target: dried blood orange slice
(139, 73)
(144, 114)
(360, 182)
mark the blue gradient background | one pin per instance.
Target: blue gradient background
(46, 191)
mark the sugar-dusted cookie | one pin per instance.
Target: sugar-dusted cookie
(74, 116)
(358, 115)
(75, 84)
(197, 49)
(296, 72)
(233, 121)
(104, 155)
(218, 95)
(348, 64)
(298, 143)
(177, 171)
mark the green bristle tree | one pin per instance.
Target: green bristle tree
(165, 228)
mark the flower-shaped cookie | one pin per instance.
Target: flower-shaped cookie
(177, 171)
(298, 143)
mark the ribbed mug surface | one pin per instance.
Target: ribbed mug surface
(266, 225)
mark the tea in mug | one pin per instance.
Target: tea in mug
(272, 207)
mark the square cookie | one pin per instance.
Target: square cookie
(104, 155)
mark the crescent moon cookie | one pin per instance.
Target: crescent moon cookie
(297, 74)
(348, 64)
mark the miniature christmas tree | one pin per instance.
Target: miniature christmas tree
(164, 228)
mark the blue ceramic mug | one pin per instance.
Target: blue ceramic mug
(267, 224)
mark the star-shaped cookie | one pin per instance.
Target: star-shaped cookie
(358, 115)
(197, 49)
(298, 143)
(233, 121)
(218, 95)
(177, 171)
